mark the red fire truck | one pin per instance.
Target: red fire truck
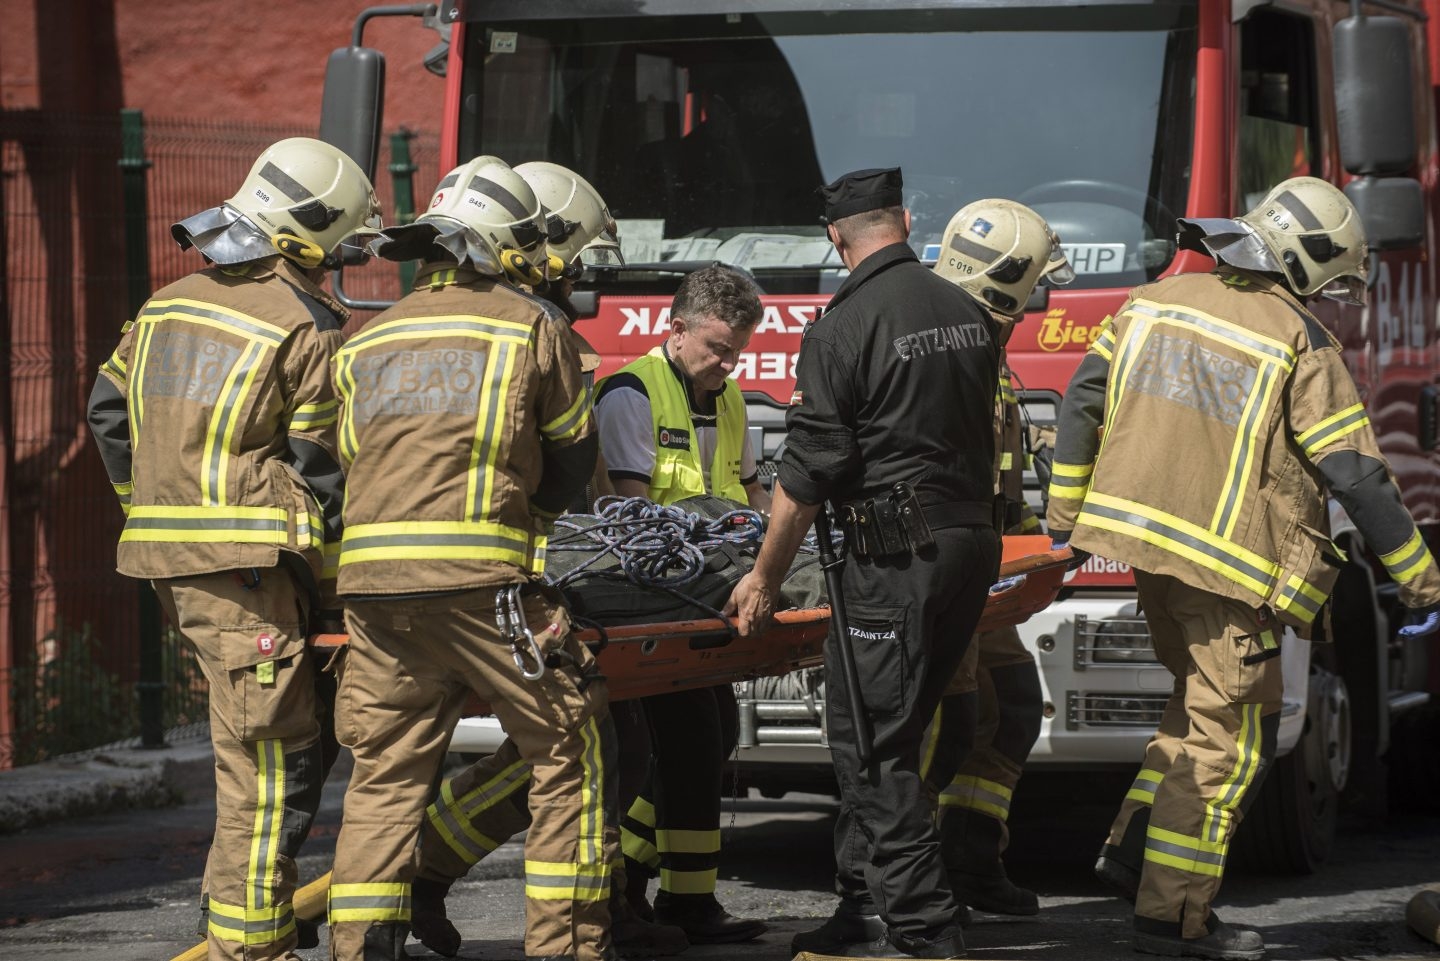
(707, 125)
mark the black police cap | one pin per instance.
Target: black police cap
(855, 193)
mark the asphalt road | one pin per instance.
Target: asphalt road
(123, 887)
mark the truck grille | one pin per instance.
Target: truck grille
(1112, 642)
(1084, 709)
(783, 710)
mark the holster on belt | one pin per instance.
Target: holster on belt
(887, 526)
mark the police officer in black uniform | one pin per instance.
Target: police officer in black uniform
(890, 422)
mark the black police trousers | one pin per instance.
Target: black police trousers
(910, 620)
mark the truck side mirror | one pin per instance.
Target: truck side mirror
(1374, 95)
(352, 104)
(1392, 209)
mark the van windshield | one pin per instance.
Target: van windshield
(707, 134)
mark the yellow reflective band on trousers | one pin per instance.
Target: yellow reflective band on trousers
(978, 794)
(687, 842)
(635, 846)
(1220, 810)
(1184, 853)
(374, 902)
(1332, 428)
(269, 819)
(591, 849)
(1147, 782)
(124, 492)
(250, 926)
(453, 817)
(308, 417)
(688, 882)
(1070, 481)
(1409, 561)
(562, 881)
(431, 540)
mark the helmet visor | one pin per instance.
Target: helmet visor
(1057, 272)
(1347, 290)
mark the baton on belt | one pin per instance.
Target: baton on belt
(833, 567)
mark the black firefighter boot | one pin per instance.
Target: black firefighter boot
(385, 942)
(428, 922)
(970, 842)
(635, 937)
(1120, 866)
(703, 920)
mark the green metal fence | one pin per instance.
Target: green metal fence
(86, 204)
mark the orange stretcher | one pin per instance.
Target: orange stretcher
(642, 659)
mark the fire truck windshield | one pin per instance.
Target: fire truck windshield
(708, 133)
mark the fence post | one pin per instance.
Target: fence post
(402, 175)
(133, 166)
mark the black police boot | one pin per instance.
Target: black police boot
(703, 920)
(1221, 942)
(949, 943)
(1119, 866)
(840, 930)
(428, 921)
(970, 843)
(632, 936)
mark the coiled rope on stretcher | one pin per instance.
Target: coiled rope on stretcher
(653, 545)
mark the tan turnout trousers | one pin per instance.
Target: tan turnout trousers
(250, 641)
(985, 781)
(1204, 764)
(410, 665)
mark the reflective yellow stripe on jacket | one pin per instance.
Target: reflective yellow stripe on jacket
(475, 536)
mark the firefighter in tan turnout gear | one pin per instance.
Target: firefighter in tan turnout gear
(487, 803)
(216, 420)
(998, 679)
(1225, 524)
(466, 428)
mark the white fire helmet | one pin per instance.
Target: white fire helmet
(578, 225)
(302, 198)
(998, 251)
(482, 215)
(1305, 230)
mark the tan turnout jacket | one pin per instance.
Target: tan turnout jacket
(449, 401)
(216, 419)
(1194, 440)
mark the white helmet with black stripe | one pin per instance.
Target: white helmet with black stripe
(303, 198)
(998, 251)
(482, 215)
(578, 225)
(1306, 231)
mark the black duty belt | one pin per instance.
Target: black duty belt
(898, 523)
